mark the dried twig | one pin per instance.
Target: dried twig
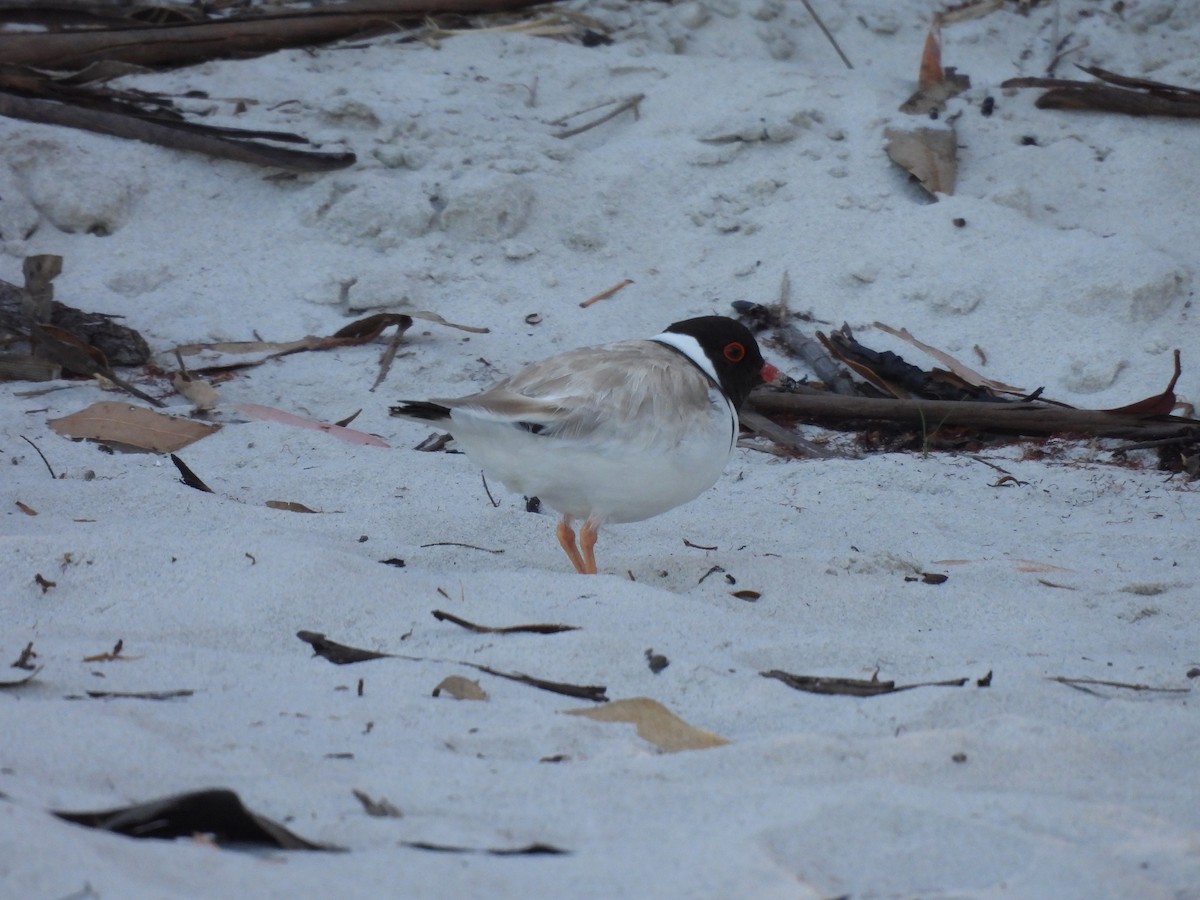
(606, 293)
(594, 692)
(1082, 684)
(443, 616)
(825, 31)
(460, 544)
(41, 454)
(629, 103)
(140, 695)
(341, 654)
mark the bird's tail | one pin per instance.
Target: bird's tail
(423, 410)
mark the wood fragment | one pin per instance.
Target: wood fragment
(1006, 418)
(1118, 93)
(112, 655)
(174, 135)
(443, 616)
(606, 293)
(793, 444)
(69, 339)
(23, 367)
(239, 35)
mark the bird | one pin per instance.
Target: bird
(612, 433)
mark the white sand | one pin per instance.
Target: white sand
(1075, 270)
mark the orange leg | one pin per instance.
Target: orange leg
(566, 537)
(587, 543)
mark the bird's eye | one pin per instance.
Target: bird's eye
(735, 352)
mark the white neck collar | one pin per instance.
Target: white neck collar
(689, 347)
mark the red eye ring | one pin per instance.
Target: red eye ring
(734, 352)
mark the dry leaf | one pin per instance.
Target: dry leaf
(460, 688)
(289, 506)
(930, 72)
(202, 395)
(135, 426)
(1158, 405)
(655, 723)
(930, 154)
(270, 414)
(935, 85)
(1032, 565)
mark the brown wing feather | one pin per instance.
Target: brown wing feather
(596, 392)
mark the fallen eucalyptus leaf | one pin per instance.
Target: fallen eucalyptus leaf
(460, 688)
(271, 414)
(655, 723)
(134, 426)
(930, 154)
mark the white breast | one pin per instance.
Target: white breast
(613, 475)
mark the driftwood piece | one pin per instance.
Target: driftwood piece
(1039, 419)
(1114, 93)
(193, 42)
(177, 135)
